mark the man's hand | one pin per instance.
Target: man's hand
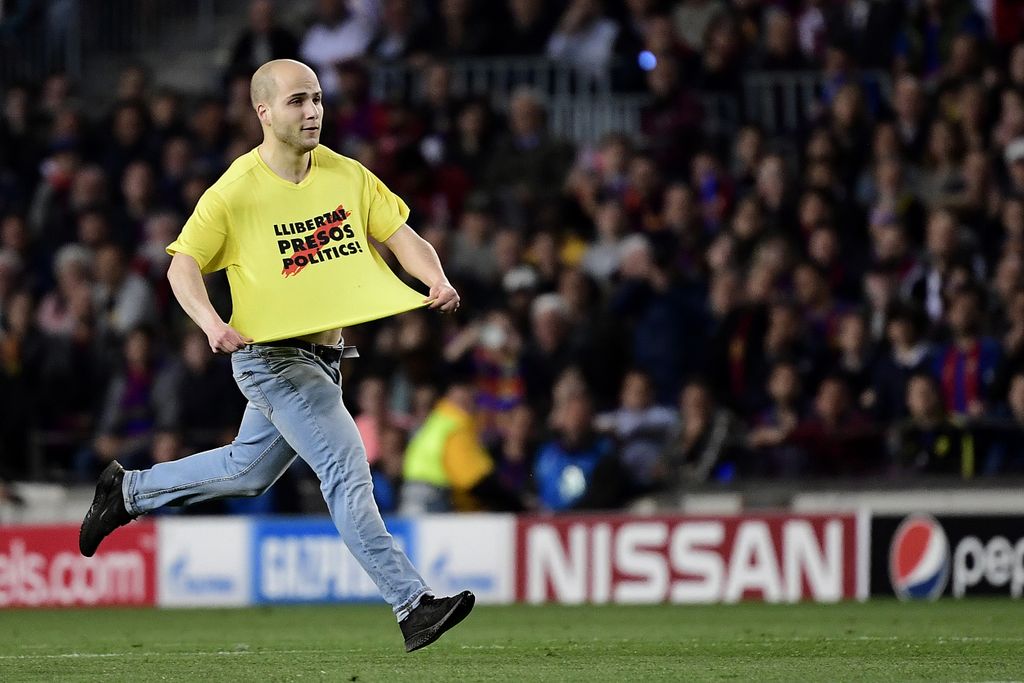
(225, 339)
(444, 297)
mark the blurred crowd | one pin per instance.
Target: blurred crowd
(644, 314)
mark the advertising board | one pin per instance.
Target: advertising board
(304, 560)
(468, 551)
(40, 566)
(921, 557)
(204, 562)
(620, 559)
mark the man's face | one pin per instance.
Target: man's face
(296, 109)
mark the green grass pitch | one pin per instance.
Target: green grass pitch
(975, 640)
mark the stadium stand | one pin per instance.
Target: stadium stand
(701, 243)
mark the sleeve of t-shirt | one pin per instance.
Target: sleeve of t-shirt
(386, 212)
(204, 236)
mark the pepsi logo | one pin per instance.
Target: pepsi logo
(919, 559)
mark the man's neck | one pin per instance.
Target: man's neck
(286, 162)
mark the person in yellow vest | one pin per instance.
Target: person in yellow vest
(292, 222)
(447, 466)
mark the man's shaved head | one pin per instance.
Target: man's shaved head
(289, 103)
(265, 81)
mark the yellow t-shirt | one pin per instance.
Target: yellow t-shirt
(297, 255)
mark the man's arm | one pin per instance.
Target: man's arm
(420, 260)
(189, 289)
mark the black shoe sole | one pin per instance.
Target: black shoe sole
(106, 484)
(457, 613)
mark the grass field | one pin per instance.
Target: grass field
(877, 641)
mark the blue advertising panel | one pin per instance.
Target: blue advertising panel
(304, 560)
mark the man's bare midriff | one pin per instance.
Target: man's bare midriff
(327, 337)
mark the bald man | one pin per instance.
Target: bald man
(291, 222)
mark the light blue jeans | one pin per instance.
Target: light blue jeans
(294, 408)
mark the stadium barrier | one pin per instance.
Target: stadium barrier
(583, 106)
(618, 559)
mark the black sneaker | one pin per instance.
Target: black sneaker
(433, 616)
(107, 511)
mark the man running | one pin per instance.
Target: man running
(290, 221)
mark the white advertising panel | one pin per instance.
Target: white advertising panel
(468, 551)
(204, 562)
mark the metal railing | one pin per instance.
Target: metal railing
(588, 120)
(583, 108)
(493, 77)
(787, 101)
(37, 40)
(62, 34)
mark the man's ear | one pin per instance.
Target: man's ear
(263, 112)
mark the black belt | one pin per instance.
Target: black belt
(326, 353)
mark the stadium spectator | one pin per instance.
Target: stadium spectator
(639, 427)
(691, 19)
(819, 309)
(779, 50)
(772, 455)
(601, 258)
(492, 351)
(663, 319)
(785, 339)
(853, 357)
(1014, 156)
(515, 449)
(909, 354)
(528, 31)
(471, 255)
(458, 30)
(577, 469)
(200, 406)
(928, 283)
(135, 403)
(262, 41)
(941, 175)
(584, 37)
(672, 121)
(549, 352)
(705, 443)
(1006, 454)
(399, 30)
(22, 360)
(468, 148)
(69, 305)
(966, 366)
(527, 166)
(930, 440)
(375, 416)
(871, 30)
(340, 31)
(925, 44)
(446, 464)
(722, 56)
(835, 437)
(122, 299)
(386, 470)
